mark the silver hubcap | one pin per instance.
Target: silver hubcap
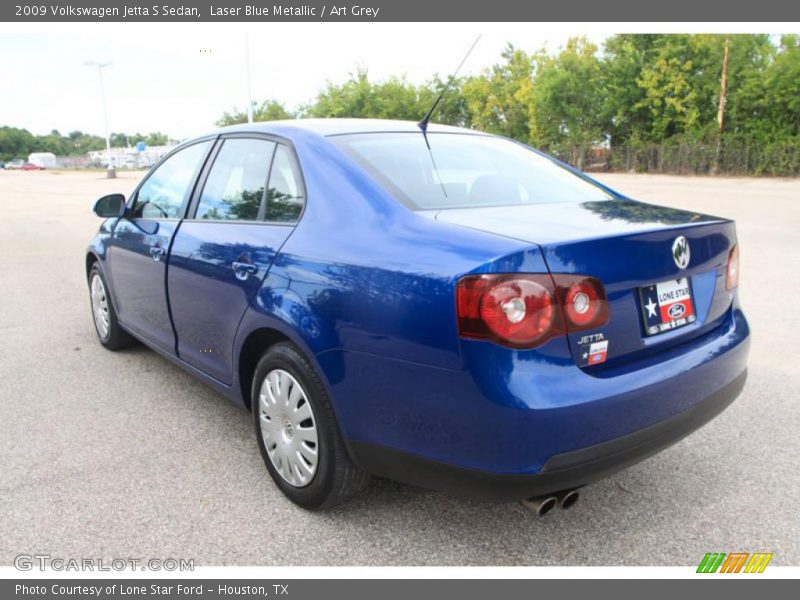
(288, 428)
(100, 306)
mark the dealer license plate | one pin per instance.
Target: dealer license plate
(667, 306)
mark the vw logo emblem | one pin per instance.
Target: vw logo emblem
(680, 252)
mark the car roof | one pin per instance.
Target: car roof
(329, 127)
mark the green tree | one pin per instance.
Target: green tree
(767, 104)
(670, 97)
(501, 99)
(120, 140)
(15, 143)
(782, 77)
(268, 110)
(453, 109)
(18, 143)
(52, 142)
(156, 139)
(358, 97)
(625, 111)
(81, 143)
(679, 82)
(568, 99)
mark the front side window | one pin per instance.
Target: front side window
(236, 185)
(162, 194)
(464, 170)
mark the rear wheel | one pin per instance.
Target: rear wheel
(297, 432)
(111, 335)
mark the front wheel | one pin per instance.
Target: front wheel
(297, 432)
(111, 335)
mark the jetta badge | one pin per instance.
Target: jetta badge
(680, 252)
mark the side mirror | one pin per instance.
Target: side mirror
(110, 206)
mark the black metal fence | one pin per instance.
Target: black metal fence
(733, 157)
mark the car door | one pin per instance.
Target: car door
(251, 197)
(140, 243)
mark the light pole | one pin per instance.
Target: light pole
(247, 77)
(110, 172)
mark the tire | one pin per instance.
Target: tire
(110, 334)
(301, 445)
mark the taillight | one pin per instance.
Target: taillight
(584, 301)
(514, 310)
(524, 311)
(732, 279)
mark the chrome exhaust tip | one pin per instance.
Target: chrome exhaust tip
(567, 499)
(540, 505)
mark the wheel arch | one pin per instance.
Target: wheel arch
(91, 260)
(255, 344)
(259, 338)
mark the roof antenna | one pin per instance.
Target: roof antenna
(423, 124)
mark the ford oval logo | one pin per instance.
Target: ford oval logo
(680, 252)
(676, 311)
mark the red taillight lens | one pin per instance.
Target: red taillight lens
(584, 301)
(515, 310)
(524, 311)
(520, 311)
(732, 279)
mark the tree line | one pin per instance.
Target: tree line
(19, 143)
(645, 102)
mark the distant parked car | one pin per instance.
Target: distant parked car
(28, 166)
(15, 164)
(2, 165)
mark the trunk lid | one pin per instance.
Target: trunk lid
(627, 245)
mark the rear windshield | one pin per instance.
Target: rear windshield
(464, 170)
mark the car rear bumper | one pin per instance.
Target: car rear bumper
(560, 472)
(525, 425)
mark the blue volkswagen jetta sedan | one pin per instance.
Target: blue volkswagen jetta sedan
(450, 309)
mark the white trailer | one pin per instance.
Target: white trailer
(46, 160)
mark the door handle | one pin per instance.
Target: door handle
(156, 252)
(243, 270)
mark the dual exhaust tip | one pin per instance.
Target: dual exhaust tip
(541, 505)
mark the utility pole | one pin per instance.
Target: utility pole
(110, 172)
(247, 76)
(723, 100)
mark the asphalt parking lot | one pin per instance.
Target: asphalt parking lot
(123, 455)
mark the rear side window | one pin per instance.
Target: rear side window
(235, 189)
(285, 199)
(162, 194)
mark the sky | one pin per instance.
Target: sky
(180, 78)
